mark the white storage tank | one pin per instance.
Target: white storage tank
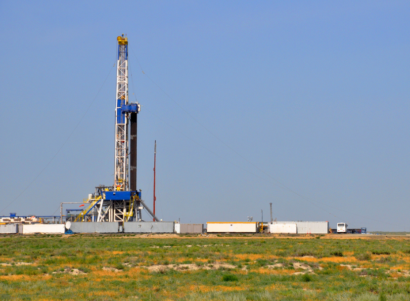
(231, 227)
(305, 227)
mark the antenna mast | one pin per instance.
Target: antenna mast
(155, 164)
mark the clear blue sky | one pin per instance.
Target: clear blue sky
(304, 104)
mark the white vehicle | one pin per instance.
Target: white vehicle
(341, 228)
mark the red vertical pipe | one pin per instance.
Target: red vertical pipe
(155, 164)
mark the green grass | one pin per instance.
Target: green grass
(229, 277)
(382, 277)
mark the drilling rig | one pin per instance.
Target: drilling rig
(121, 202)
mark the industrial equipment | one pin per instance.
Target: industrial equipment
(121, 202)
(19, 220)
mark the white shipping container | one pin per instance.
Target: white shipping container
(231, 227)
(177, 228)
(283, 228)
(44, 228)
(192, 228)
(9, 229)
(309, 227)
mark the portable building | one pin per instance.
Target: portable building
(231, 227)
(92, 227)
(9, 229)
(149, 227)
(44, 228)
(283, 228)
(302, 227)
(192, 228)
(177, 228)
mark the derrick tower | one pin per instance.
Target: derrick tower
(121, 202)
(121, 131)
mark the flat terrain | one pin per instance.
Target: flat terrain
(168, 267)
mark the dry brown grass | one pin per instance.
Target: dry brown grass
(265, 271)
(335, 259)
(254, 256)
(107, 293)
(216, 288)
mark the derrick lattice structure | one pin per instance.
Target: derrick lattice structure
(121, 202)
(121, 130)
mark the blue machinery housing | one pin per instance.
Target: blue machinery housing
(120, 114)
(122, 109)
(131, 108)
(120, 195)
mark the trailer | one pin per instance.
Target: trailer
(9, 229)
(190, 228)
(299, 227)
(282, 228)
(44, 228)
(232, 227)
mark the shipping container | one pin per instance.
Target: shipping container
(192, 228)
(92, 227)
(304, 227)
(149, 227)
(44, 228)
(9, 229)
(177, 228)
(231, 227)
(283, 228)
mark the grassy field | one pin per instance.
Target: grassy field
(390, 233)
(102, 267)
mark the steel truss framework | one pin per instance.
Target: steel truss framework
(121, 122)
(100, 209)
(118, 211)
